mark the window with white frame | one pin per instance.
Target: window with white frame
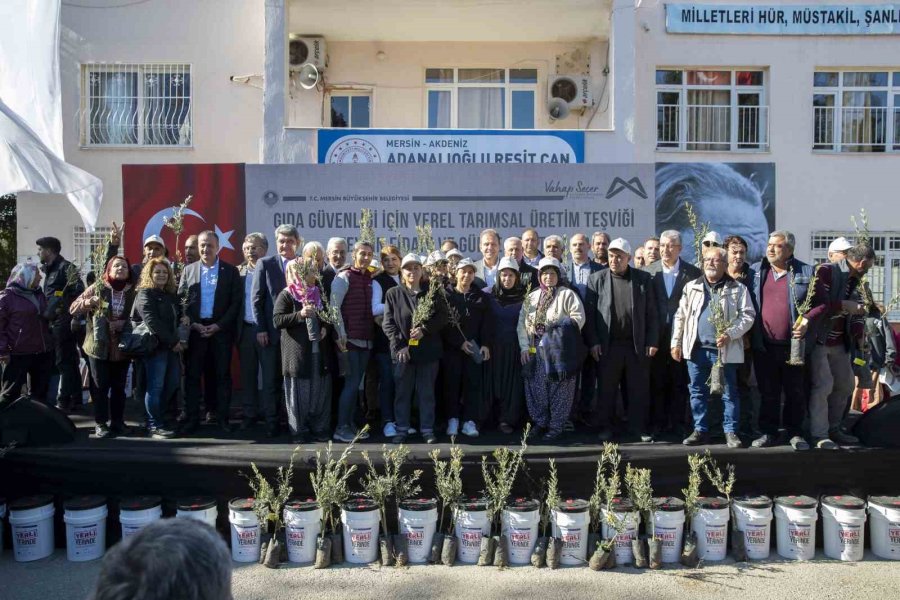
(129, 105)
(721, 110)
(483, 98)
(84, 244)
(856, 111)
(351, 109)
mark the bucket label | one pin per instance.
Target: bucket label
(756, 535)
(799, 534)
(571, 538)
(850, 535)
(26, 535)
(247, 536)
(623, 540)
(716, 535)
(296, 536)
(85, 536)
(520, 538)
(415, 537)
(130, 530)
(471, 537)
(894, 533)
(666, 536)
(361, 540)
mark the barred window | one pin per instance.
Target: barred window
(84, 244)
(856, 111)
(136, 105)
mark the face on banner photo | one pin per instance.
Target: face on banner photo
(152, 192)
(734, 198)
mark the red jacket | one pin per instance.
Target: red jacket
(22, 328)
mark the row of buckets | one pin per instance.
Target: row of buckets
(844, 518)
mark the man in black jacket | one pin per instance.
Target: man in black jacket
(211, 293)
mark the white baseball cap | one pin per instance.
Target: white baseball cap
(410, 258)
(713, 237)
(155, 239)
(549, 261)
(508, 263)
(840, 244)
(466, 262)
(453, 252)
(620, 244)
(434, 258)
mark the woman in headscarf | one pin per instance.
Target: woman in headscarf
(551, 349)
(107, 304)
(304, 362)
(26, 348)
(504, 380)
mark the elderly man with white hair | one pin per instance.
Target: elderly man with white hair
(513, 248)
(837, 249)
(336, 254)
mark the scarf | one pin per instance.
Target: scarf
(513, 295)
(299, 290)
(544, 300)
(22, 276)
(117, 284)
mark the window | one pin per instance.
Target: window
(84, 245)
(136, 105)
(351, 110)
(715, 110)
(856, 111)
(480, 98)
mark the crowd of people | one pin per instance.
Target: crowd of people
(630, 343)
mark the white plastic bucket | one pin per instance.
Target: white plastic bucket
(302, 525)
(417, 520)
(710, 525)
(138, 512)
(668, 527)
(844, 527)
(519, 525)
(245, 530)
(885, 526)
(471, 524)
(795, 526)
(85, 519)
(623, 509)
(2, 516)
(753, 516)
(31, 522)
(199, 508)
(570, 521)
(361, 523)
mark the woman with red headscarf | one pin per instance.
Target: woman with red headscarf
(107, 304)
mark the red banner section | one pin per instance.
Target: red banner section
(150, 193)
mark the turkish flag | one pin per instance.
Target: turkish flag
(150, 193)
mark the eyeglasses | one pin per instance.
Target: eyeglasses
(708, 243)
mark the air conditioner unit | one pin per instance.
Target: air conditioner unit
(306, 49)
(573, 89)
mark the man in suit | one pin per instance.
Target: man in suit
(668, 378)
(212, 296)
(486, 266)
(513, 248)
(255, 247)
(531, 244)
(577, 272)
(268, 282)
(621, 309)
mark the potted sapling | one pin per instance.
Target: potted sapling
(689, 556)
(724, 482)
(721, 322)
(269, 499)
(798, 345)
(551, 488)
(100, 315)
(640, 491)
(499, 479)
(448, 482)
(553, 545)
(607, 486)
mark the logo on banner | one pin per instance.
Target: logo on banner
(618, 184)
(354, 151)
(270, 198)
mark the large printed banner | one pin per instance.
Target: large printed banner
(457, 201)
(151, 192)
(783, 19)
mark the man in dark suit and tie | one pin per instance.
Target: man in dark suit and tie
(211, 295)
(668, 379)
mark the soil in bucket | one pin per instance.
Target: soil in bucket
(245, 531)
(795, 526)
(539, 554)
(753, 516)
(710, 526)
(570, 522)
(472, 524)
(361, 520)
(31, 522)
(417, 522)
(302, 526)
(844, 527)
(519, 525)
(85, 518)
(884, 526)
(201, 508)
(668, 528)
(624, 509)
(136, 512)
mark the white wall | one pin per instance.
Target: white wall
(219, 38)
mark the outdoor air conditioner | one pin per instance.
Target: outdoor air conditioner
(307, 49)
(573, 89)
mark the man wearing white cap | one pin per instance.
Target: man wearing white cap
(837, 250)
(712, 239)
(625, 332)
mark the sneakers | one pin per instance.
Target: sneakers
(826, 444)
(429, 437)
(646, 437)
(452, 427)
(158, 433)
(363, 435)
(469, 429)
(101, 431)
(844, 439)
(342, 434)
(390, 430)
(410, 431)
(733, 441)
(697, 438)
(763, 441)
(799, 444)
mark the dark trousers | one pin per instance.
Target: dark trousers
(218, 347)
(585, 398)
(109, 381)
(463, 386)
(668, 384)
(415, 380)
(621, 365)
(385, 379)
(34, 368)
(774, 377)
(749, 397)
(66, 362)
(252, 356)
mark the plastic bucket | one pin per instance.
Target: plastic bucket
(138, 512)
(885, 526)
(668, 527)
(302, 525)
(623, 509)
(795, 526)
(361, 519)
(710, 525)
(31, 522)
(753, 516)
(245, 530)
(200, 508)
(471, 524)
(417, 520)
(844, 527)
(85, 518)
(570, 522)
(519, 525)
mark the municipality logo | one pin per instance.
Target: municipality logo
(353, 150)
(618, 184)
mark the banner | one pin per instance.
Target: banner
(782, 19)
(457, 201)
(734, 198)
(150, 194)
(449, 146)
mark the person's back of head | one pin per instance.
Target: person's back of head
(170, 559)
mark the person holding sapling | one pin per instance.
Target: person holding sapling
(414, 317)
(110, 297)
(708, 329)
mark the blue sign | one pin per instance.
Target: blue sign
(783, 19)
